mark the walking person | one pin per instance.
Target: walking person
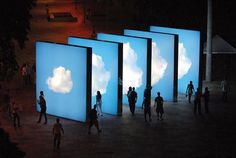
(57, 129)
(189, 91)
(206, 96)
(224, 89)
(99, 103)
(133, 100)
(197, 102)
(129, 99)
(147, 109)
(93, 119)
(159, 106)
(15, 113)
(147, 93)
(43, 107)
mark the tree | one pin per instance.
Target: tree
(14, 28)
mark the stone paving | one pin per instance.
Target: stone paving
(180, 134)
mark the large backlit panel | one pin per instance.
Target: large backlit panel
(61, 73)
(163, 54)
(105, 77)
(134, 63)
(189, 54)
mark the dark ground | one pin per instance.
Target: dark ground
(180, 134)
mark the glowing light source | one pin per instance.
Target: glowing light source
(135, 52)
(105, 71)
(64, 80)
(189, 55)
(163, 58)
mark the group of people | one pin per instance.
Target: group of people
(13, 108)
(146, 105)
(190, 91)
(132, 99)
(57, 127)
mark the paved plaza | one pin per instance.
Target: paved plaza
(180, 134)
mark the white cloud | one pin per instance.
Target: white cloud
(132, 74)
(159, 64)
(61, 81)
(184, 62)
(100, 76)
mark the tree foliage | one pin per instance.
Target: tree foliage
(14, 26)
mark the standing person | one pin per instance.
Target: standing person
(206, 96)
(129, 99)
(147, 92)
(15, 114)
(133, 100)
(189, 91)
(99, 103)
(7, 103)
(159, 106)
(24, 74)
(197, 102)
(224, 89)
(42, 103)
(57, 129)
(28, 74)
(147, 109)
(33, 68)
(93, 119)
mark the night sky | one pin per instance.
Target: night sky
(192, 15)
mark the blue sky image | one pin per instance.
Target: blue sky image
(189, 53)
(104, 71)
(134, 63)
(162, 62)
(61, 74)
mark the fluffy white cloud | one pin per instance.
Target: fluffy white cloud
(184, 62)
(61, 81)
(159, 64)
(132, 74)
(100, 76)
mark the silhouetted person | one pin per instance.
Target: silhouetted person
(197, 102)
(93, 119)
(57, 129)
(147, 109)
(99, 102)
(133, 100)
(24, 74)
(189, 91)
(147, 93)
(33, 68)
(159, 106)
(206, 96)
(28, 74)
(224, 89)
(15, 114)
(7, 99)
(43, 107)
(129, 99)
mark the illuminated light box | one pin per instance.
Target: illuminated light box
(135, 57)
(189, 55)
(63, 73)
(164, 58)
(106, 62)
